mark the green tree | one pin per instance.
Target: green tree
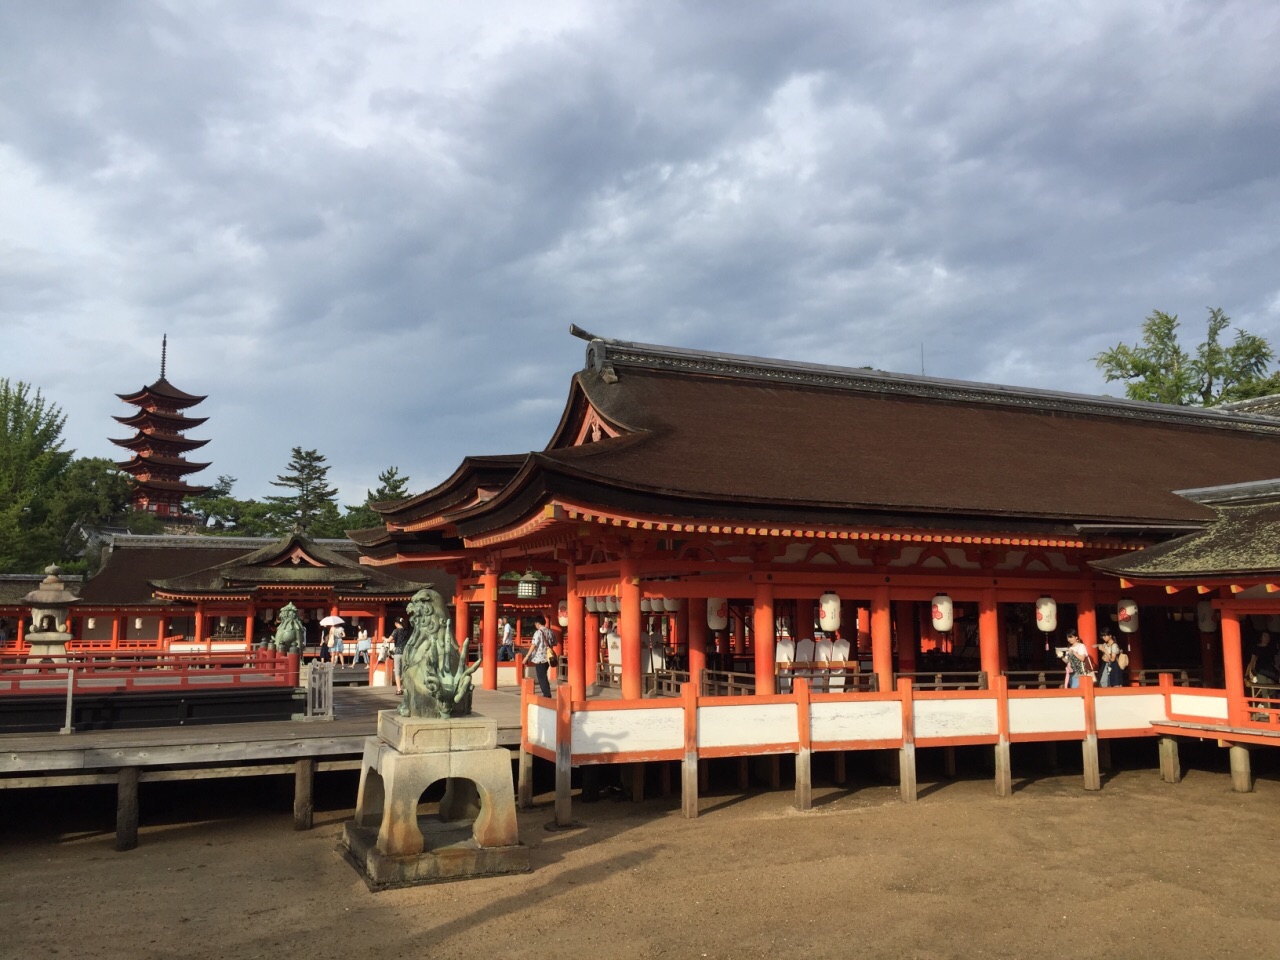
(313, 505)
(1159, 370)
(31, 461)
(391, 486)
(91, 492)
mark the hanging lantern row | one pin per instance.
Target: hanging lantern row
(943, 613)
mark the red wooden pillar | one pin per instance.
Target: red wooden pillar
(905, 627)
(1087, 623)
(763, 638)
(489, 631)
(990, 643)
(115, 631)
(739, 634)
(199, 637)
(461, 616)
(694, 615)
(1232, 667)
(881, 639)
(249, 618)
(862, 638)
(575, 637)
(591, 644)
(629, 627)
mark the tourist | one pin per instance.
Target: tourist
(1108, 654)
(1078, 662)
(1262, 662)
(541, 647)
(395, 650)
(507, 644)
(363, 646)
(337, 640)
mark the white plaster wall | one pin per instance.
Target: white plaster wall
(1213, 708)
(1047, 715)
(956, 718)
(746, 725)
(627, 731)
(541, 724)
(869, 720)
(1128, 712)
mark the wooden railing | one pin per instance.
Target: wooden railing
(118, 672)
(1182, 677)
(953, 680)
(826, 676)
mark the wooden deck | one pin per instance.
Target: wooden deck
(50, 759)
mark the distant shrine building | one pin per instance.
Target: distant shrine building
(907, 555)
(159, 446)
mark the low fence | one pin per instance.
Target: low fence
(120, 672)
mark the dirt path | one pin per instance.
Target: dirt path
(1142, 869)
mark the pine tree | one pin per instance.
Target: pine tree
(313, 501)
(391, 486)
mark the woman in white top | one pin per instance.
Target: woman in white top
(540, 649)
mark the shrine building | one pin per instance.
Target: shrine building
(737, 525)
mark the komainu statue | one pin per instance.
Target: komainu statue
(435, 675)
(291, 635)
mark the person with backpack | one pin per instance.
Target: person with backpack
(1109, 653)
(541, 650)
(1078, 662)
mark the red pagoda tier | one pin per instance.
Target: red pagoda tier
(158, 464)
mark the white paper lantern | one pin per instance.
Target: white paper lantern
(717, 613)
(137, 623)
(943, 613)
(92, 623)
(611, 604)
(562, 613)
(1127, 616)
(646, 605)
(1046, 614)
(1204, 616)
(591, 605)
(671, 604)
(829, 612)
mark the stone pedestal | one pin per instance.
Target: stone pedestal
(475, 833)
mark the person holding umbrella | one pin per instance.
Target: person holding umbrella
(336, 637)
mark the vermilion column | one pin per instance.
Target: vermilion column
(1232, 667)
(908, 642)
(763, 638)
(862, 638)
(591, 644)
(629, 628)
(881, 639)
(694, 614)
(1087, 623)
(461, 616)
(739, 635)
(989, 639)
(575, 638)
(489, 632)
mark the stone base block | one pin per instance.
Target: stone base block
(409, 735)
(451, 853)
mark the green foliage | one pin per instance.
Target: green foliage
(391, 486)
(1159, 370)
(313, 505)
(31, 461)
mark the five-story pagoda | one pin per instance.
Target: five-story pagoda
(159, 465)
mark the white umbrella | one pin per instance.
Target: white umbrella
(331, 621)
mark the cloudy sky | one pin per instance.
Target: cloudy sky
(366, 227)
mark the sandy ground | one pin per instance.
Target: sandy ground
(1140, 869)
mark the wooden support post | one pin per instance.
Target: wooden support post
(489, 629)
(704, 777)
(762, 637)
(524, 788)
(564, 755)
(989, 639)
(1232, 668)
(804, 752)
(881, 639)
(1104, 755)
(575, 639)
(744, 774)
(775, 772)
(304, 778)
(689, 779)
(949, 762)
(841, 771)
(1170, 770)
(637, 781)
(127, 808)
(907, 755)
(629, 628)
(664, 779)
(1003, 764)
(1092, 772)
(1241, 774)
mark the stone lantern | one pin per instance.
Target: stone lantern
(50, 605)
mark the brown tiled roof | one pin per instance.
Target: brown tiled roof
(125, 577)
(1244, 541)
(162, 388)
(725, 436)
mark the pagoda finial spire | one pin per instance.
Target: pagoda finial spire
(164, 349)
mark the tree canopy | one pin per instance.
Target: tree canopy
(391, 486)
(312, 508)
(1159, 370)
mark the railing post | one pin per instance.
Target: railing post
(1004, 772)
(689, 769)
(1092, 771)
(524, 788)
(804, 746)
(907, 755)
(67, 726)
